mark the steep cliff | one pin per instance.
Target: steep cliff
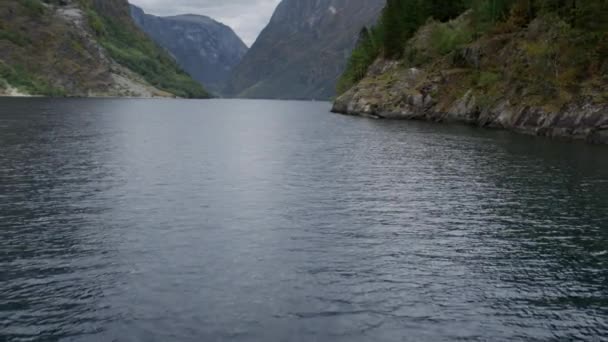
(83, 48)
(203, 47)
(303, 50)
(543, 77)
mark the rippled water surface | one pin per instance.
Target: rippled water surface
(168, 220)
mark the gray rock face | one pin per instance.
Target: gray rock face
(203, 47)
(303, 50)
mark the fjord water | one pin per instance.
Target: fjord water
(170, 220)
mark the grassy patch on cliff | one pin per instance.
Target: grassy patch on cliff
(445, 38)
(34, 8)
(131, 48)
(17, 76)
(14, 37)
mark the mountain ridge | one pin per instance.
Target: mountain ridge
(205, 48)
(303, 50)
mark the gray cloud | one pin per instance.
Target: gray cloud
(246, 17)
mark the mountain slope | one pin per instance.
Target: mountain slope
(303, 50)
(203, 47)
(83, 48)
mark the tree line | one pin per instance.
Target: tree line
(401, 19)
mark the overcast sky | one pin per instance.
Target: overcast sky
(246, 17)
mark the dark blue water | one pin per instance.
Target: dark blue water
(168, 220)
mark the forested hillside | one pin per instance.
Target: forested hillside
(582, 25)
(534, 66)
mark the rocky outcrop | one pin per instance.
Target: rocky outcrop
(458, 87)
(203, 47)
(582, 120)
(303, 50)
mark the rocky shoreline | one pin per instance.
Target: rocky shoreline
(583, 120)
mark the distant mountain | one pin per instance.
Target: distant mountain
(205, 48)
(83, 48)
(303, 50)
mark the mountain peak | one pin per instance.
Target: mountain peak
(194, 18)
(304, 49)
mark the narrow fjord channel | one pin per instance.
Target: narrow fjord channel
(173, 220)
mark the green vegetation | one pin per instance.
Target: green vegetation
(487, 78)
(131, 48)
(34, 8)
(398, 23)
(367, 50)
(14, 37)
(96, 23)
(18, 77)
(578, 32)
(446, 38)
